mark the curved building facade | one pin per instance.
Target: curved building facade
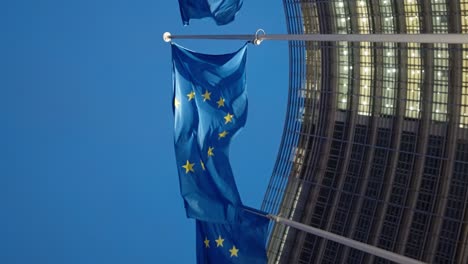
(375, 144)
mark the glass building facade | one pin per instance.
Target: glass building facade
(375, 145)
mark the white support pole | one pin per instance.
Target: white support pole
(395, 38)
(347, 242)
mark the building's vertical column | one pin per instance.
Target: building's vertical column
(305, 244)
(418, 209)
(382, 230)
(384, 103)
(361, 107)
(449, 217)
(282, 192)
(347, 106)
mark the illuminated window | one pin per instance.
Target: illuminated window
(441, 62)
(341, 15)
(313, 59)
(390, 75)
(344, 53)
(365, 75)
(343, 76)
(365, 56)
(414, 72)
(310, 18)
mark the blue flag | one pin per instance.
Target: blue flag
(210, 107)
(243, 242)
(222, 11)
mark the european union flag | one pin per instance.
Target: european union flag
(222, 11)
(243, 242)
(210, 107)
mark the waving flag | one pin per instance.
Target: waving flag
(222, 11)
(243, 242)
(210, 107)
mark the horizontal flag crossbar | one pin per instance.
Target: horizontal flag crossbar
(347, 242)
(396, 38)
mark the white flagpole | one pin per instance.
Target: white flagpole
(347, 242)
(395, 38)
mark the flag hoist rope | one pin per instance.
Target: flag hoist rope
(260, 35)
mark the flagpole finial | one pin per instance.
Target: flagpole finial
(167, 36)
(258, 40)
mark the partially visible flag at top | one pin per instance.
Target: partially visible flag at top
(222, 11)
(243, 242)
(210, 107)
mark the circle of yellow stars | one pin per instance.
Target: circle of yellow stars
(189, 167)
(228, 118)
(220, 243)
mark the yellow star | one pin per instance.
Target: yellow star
(207, 243)
(228, 118)
(234, 251)
(188, 167)
(202, 165)
(206, 96)
(222, 134)
(220, 102)
(219, 241)
(176, 103)
(191, 95)
(210, 151)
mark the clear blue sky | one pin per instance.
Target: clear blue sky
(87, 168)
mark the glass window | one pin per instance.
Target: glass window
(440, 63)
(366, 61)
(464, 95)
(390, 73)
(414, 72)
(342, 23)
